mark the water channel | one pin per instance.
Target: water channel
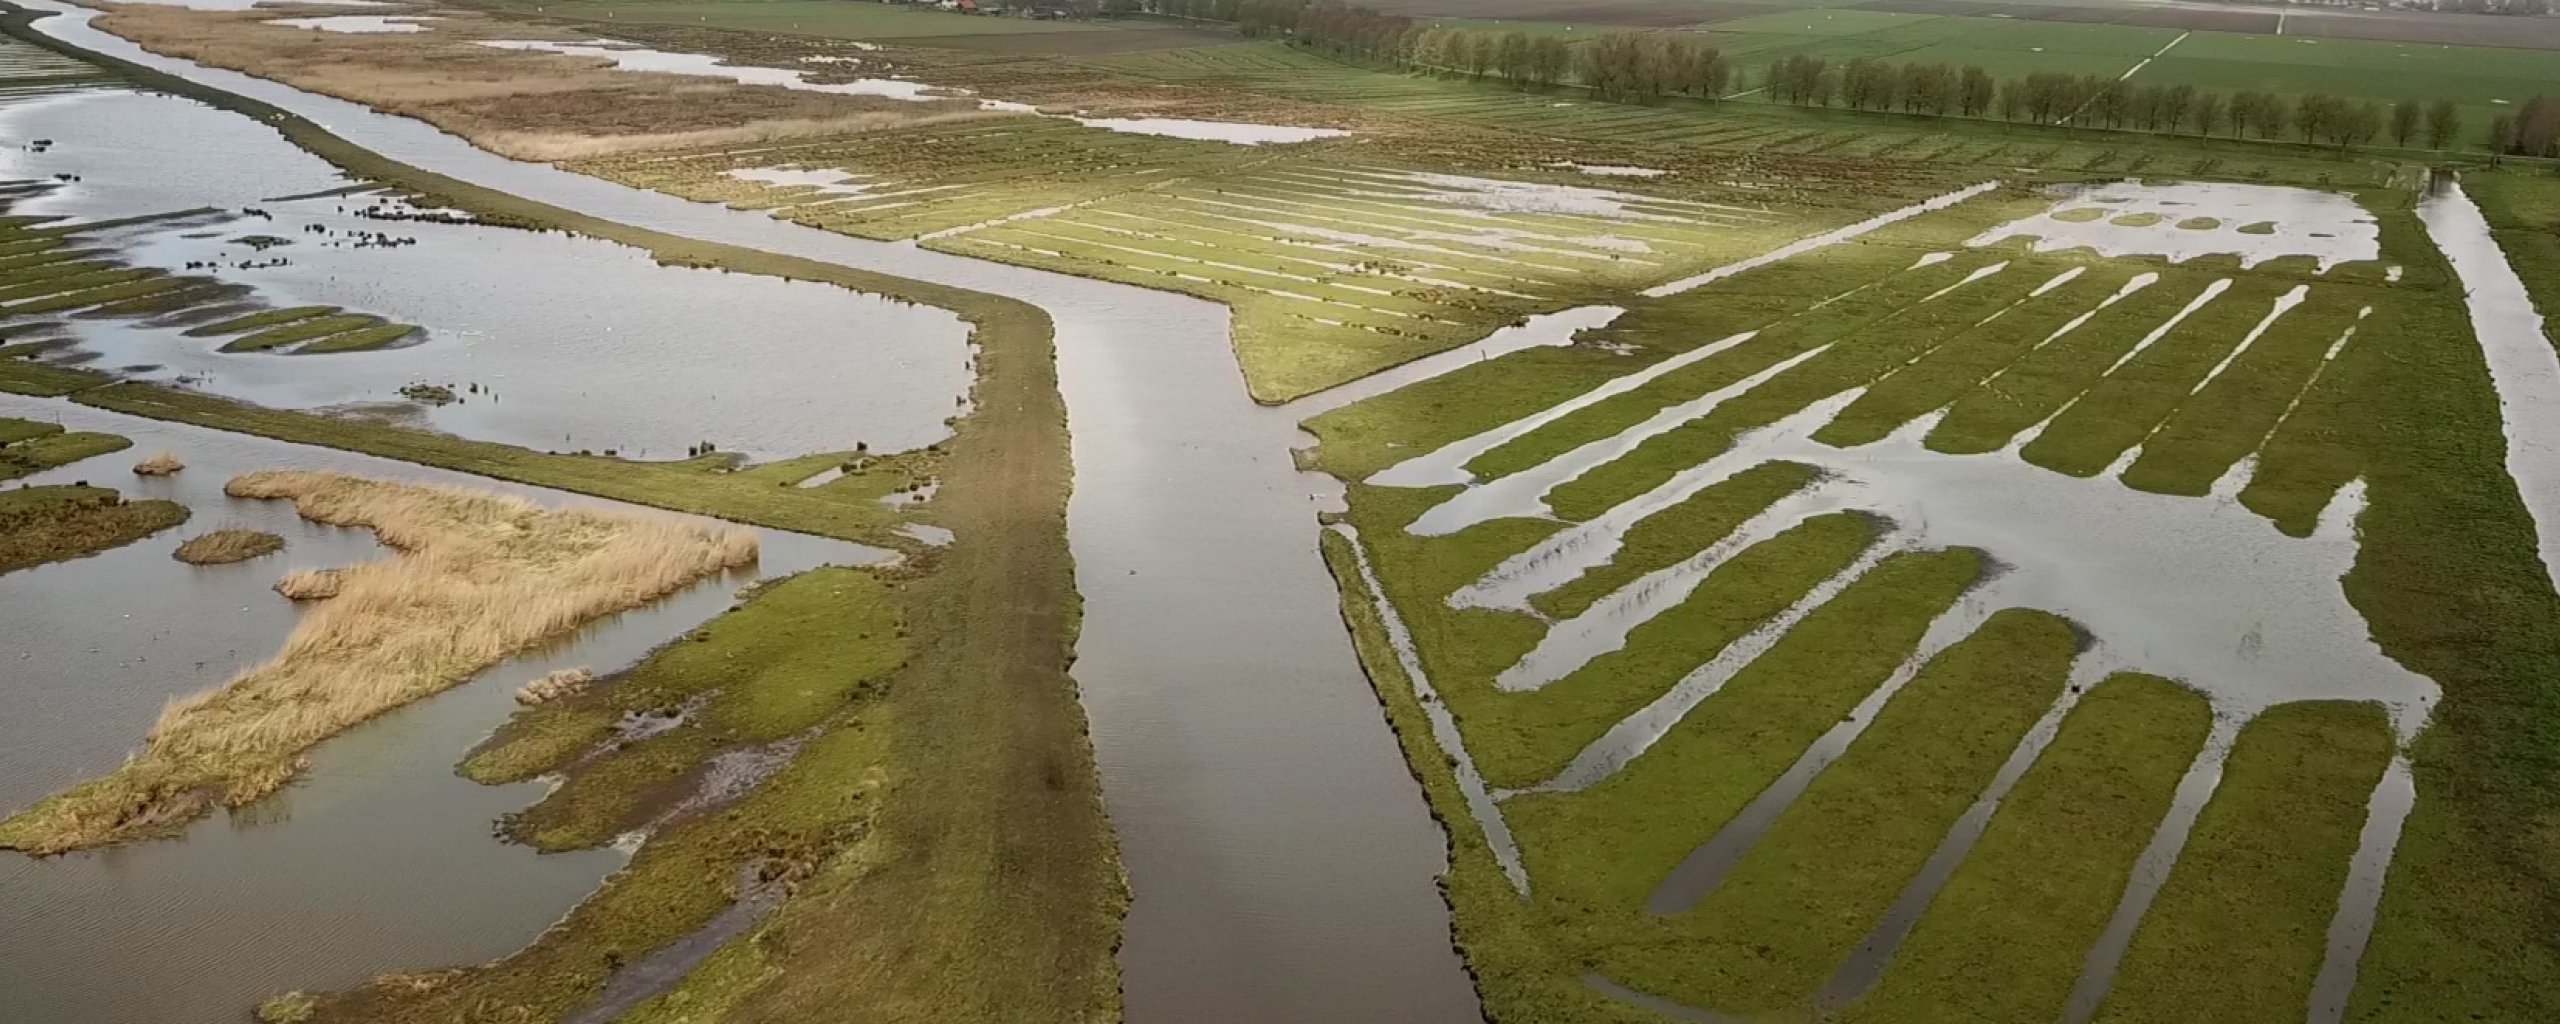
(380, 858)
(1281, 857)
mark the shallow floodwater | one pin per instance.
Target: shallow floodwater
(633, 57)
(2522, 365)
(2187, 219)
(573, 343)
(1281, 857)
(359, 24)
(381, 858)
(626, 57)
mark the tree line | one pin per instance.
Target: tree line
(1646, 67)
(2048, 97)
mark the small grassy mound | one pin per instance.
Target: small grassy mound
(223, 547)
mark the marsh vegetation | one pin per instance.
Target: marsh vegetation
(478, 577)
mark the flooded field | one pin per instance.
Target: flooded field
(381, 858)
(649, 361)
(2005, 477)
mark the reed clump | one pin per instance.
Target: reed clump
(477, 578)
(225, 546)
(567, 682)
(162, 464)
(309, 584)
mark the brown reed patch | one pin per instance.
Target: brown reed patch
(477, 578)
(309, 584)
(225, 546)
(162, 464)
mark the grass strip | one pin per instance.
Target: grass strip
(1801, 899)
(14, 430)
(86, 297)
(1965, 361)
(2002, 942)
(1526, 969)
(1855, 319)
(2258, 881)
(1608, 846)
(20, 375)
(300, 330)
(1524, 739)
(1667, 537)
(359, 340)
(2117, 412)
(2039, 385)
(259, 321)
(2224, 423)
(25, 454)
(1859, 359)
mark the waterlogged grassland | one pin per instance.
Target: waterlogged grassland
(1336, 270)
(2258, 880)
(1989, 359)
(805, 657)
(913, 181)
(28, 447)
(1337, 264)
(2063, 842)
(52, 524)
(48, 273)
(789, 659)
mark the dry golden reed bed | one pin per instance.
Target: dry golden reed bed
(478, 577)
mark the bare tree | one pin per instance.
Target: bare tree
(2206, 115)
(1974, 92)
(1548, 59)
(2313, 114)
(1512, 57)
(2404, 122)
(2444, 121)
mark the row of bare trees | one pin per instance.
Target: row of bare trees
(1645, 67)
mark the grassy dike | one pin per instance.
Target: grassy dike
(985, 885)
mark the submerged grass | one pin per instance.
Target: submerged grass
(478, 577)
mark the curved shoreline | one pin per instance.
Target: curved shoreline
(1283, 861)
